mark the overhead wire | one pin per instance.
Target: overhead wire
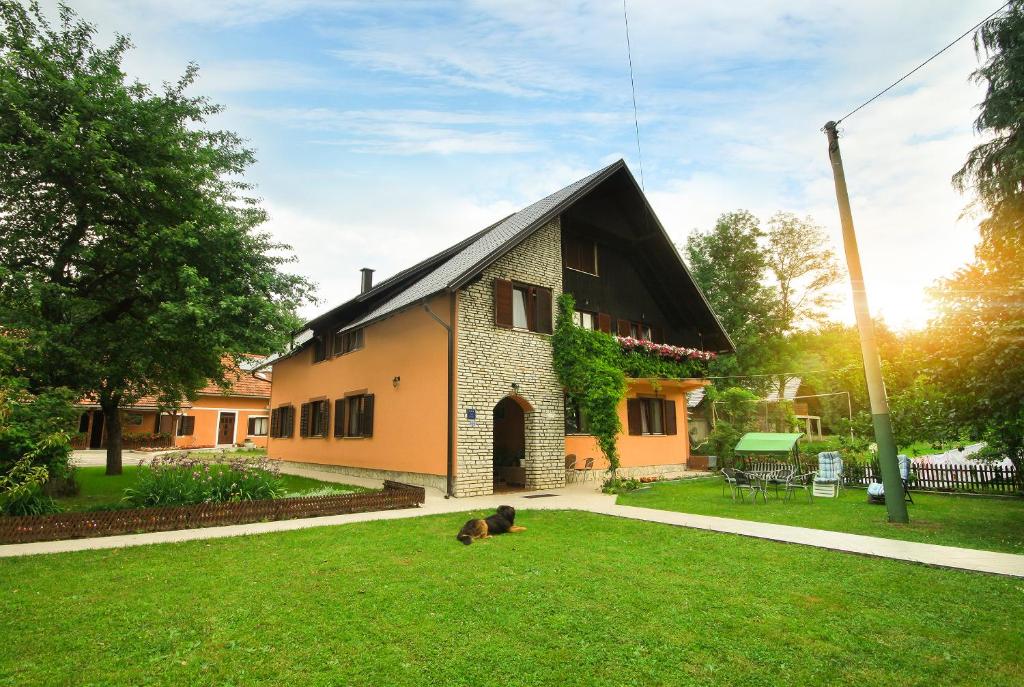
(632, 86)
(915, 69)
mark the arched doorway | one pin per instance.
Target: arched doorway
(509, 443)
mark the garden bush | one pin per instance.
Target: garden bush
(21, 490)
(614, 485)
(177, 479)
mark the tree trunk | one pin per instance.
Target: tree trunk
(112, 420)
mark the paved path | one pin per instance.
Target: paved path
(583, 497)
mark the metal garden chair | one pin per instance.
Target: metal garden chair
(804, 481)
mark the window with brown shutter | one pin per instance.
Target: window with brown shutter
(543, 310)
(670, 417)
(604, 322)
(503, 303)
(634, 416)
(579, 254)
(339, 417)
(286, 421)
(186, 425)
(622, 327)
(523, 306)
(304, 420)
(318, 419)
(319, 348)
(358, 416)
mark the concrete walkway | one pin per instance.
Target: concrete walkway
(582, 497)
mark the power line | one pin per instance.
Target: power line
(902, 78)
(632, 86)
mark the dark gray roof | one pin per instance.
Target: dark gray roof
(496, 241)
(456, 265)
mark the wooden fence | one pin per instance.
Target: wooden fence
(975, 479)
(30, 528)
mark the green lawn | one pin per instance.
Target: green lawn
(975, 522)
(100, 491)
(578, 599)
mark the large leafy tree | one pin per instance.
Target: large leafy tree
(729, 264)
(130, 254)
(982, 305)
(804, 268)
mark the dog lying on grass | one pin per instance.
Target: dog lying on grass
(499, 523)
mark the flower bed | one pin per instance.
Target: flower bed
(23, 529)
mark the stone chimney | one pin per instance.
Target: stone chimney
(367, 280)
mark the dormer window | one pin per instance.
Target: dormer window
(346, 342)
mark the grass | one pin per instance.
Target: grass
(97, 490)
(578, 599)
(976, 522)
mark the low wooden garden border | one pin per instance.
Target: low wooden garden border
(32, 528)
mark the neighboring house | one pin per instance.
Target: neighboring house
(806, 405)
(442, 374)
(216, 418)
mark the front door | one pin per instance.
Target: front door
(226, 429)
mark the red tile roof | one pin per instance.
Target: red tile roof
(256, 385)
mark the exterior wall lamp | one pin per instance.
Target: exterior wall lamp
(396, 381)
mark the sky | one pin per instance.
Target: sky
(386, 131)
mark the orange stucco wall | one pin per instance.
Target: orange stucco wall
(207, 410)
(636, 451)
(409, 424)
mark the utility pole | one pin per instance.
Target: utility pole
(891, 480)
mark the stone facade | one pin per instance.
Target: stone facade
(438, 482)
(491, 359)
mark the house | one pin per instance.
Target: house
(216, 418)
(442, 375)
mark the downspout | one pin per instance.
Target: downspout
(450, 481)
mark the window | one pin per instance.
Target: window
(579, 254)
(258, 426)
(314, 418)
(651, 416)
(319, 348)
(83, 423)
(353, 416)
(575, 420)
(282, 422)
(639, 330)
(186, 425)
(348, 341)
(584, 319)
(522, 306)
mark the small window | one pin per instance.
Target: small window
(319, 349)
(83, 423)
(575, 420)
(346, 342)
(520, 307)
(258, 426)
(318, 418)
(186, 426)
(584, 319)
(282, 422)
(651, 416)
(358, 416)
(579, 254)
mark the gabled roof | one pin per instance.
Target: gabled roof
(455, 266)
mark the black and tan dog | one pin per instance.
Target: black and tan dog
(499, 523)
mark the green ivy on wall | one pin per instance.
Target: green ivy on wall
(593, 368)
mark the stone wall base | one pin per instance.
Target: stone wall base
(420, 479)
(664, 471)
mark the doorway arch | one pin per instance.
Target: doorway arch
(508, 443)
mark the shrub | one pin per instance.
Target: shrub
(21, 490)
(177, 479)
(614, 485)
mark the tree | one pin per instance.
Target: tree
(729, 265)
(130, 253)
(804, 267)
(982, 305)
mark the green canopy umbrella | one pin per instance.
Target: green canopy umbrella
(768, 442)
